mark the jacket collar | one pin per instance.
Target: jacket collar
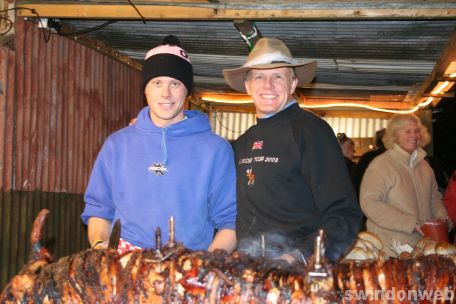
(409, 160)
(293, 106)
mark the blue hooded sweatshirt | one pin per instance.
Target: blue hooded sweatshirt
(144, 174)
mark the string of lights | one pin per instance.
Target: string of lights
(332, 105)
(437, 90)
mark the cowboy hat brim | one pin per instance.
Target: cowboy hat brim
(304, 71)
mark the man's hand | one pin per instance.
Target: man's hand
(224, 239)
(100, 244)
(98, 231)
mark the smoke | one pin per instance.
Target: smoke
(274, 245)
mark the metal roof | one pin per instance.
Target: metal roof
(358, 58)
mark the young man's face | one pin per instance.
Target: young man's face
(270, 89)
(165, 97)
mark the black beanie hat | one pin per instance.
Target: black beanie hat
(168, 59)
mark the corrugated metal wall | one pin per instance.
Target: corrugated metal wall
(230, 125)
(7, 95)
(356, 127)
(59, 101)
(64, 231)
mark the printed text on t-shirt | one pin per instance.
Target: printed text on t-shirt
(258, 159)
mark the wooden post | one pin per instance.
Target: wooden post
(7, 22)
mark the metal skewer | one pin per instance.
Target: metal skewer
(320, 280)
(318, 249)
(158, 241)
(263, 246)
(171, 232)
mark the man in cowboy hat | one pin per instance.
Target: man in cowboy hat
(291, 176)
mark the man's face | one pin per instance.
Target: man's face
(165, 97)
(270, 89)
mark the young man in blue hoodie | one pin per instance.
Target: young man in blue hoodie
(169, 163)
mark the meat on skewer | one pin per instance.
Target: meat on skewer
(174, 274)
(170, 275)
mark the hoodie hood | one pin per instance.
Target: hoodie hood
(195, 122)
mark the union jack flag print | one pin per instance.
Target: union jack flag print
(258, 145)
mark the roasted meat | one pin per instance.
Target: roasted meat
(170, 275)
(173, 274)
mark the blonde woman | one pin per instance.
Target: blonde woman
(399, 189)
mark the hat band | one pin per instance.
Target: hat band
(281, 62)
(270, 58)
(168, 49)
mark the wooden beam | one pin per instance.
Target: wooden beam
(158, 10)
(446, 58)
(353, 87)
(445, 78)
(441, 95)
(353, 103)
(116, 11)
(388, 98)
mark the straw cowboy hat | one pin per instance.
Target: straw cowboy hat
(270, 53)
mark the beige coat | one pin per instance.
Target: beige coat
(399, 190)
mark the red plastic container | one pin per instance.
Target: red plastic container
(436, 230)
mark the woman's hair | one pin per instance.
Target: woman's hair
(397, 123)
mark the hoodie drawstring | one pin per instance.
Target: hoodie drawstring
(163, 144)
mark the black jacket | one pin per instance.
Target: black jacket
(291, 181)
